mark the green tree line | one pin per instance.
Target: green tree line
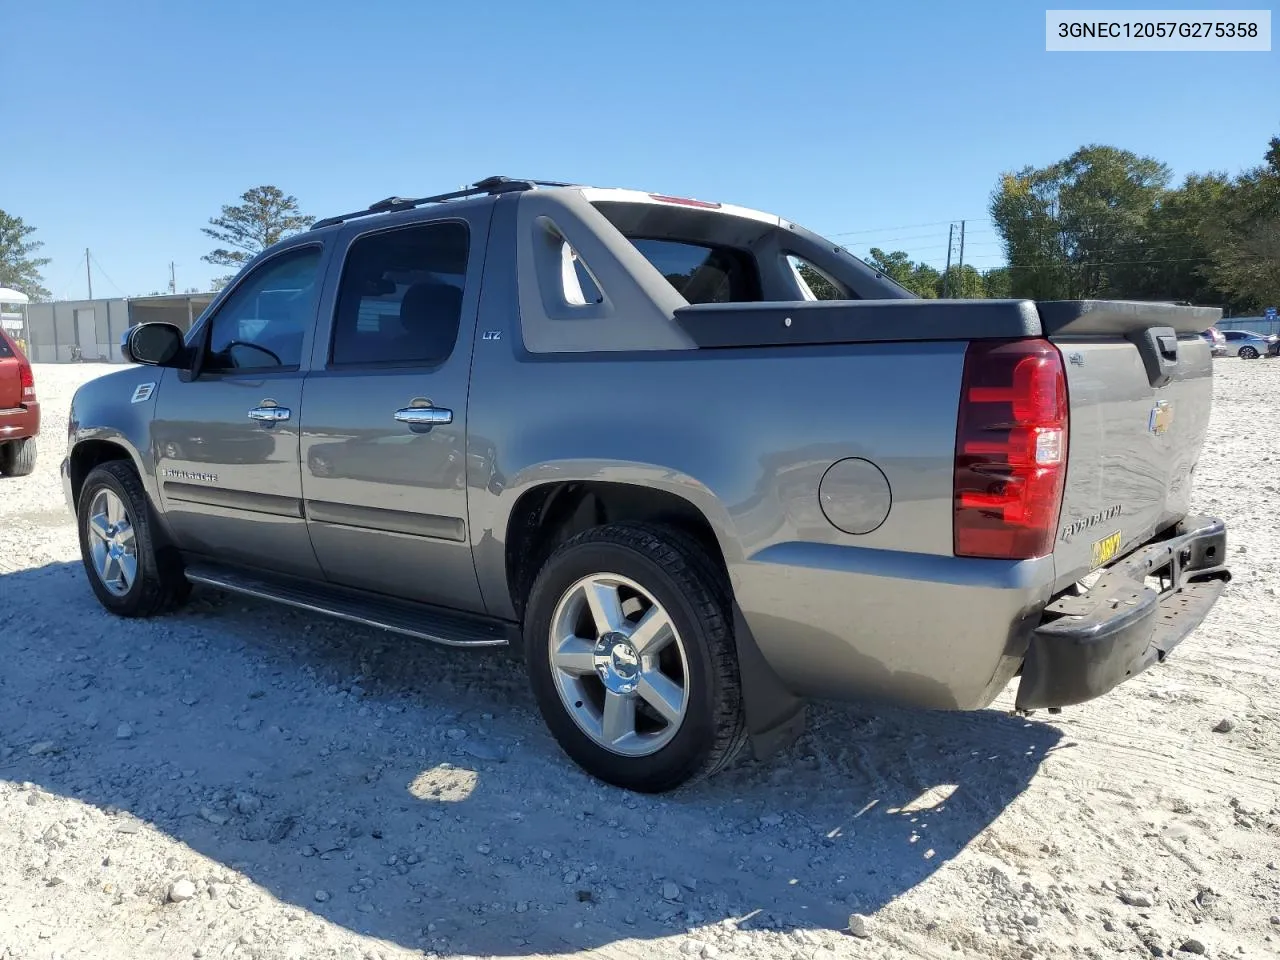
(1106, 223)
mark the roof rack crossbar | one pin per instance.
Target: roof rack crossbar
(489, 186)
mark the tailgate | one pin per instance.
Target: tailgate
(10, 377)
(1139, 384)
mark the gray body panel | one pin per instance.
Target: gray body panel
(638, 388)
(230, 486)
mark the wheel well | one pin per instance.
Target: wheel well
(548, 515)
(89, 454)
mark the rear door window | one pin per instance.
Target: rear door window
(703, 273)
(400, 299)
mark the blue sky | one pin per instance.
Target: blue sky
(875, 123)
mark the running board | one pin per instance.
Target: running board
(418, 620)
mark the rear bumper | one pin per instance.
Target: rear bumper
(19, 422)
(1087, 645)
(853, 623)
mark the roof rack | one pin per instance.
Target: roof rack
(488, 186)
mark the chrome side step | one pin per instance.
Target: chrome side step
(447, 627)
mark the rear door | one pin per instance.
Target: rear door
(384, 431)
(226, 441)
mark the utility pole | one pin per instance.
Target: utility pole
(88, 274)
(173, 283)
(946, 274)
(953, 235)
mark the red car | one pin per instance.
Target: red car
(19, 411)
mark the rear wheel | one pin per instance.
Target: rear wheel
(118, 547)
(1248, 353)
(18, 457)
(630, 651)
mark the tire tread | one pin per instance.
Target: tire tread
(18, 457)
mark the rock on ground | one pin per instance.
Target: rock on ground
(293, 787)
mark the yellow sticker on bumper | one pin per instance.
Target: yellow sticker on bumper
(1105, 550)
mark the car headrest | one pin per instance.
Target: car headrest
(430, 314)
(430, 304)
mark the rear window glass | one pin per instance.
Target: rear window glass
(4, 348)
(702, 273)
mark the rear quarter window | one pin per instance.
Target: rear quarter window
(703, 273)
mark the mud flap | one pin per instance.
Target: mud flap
(775, 716)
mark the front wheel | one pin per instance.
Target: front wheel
(1248, 353)
(118, 547)
(630, 652)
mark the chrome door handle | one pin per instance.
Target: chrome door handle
(270, 414)
(424, 416)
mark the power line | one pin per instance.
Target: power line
(107, 275)
(70, 281)
(905, 226)
(934, 239)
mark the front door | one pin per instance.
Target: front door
(226, 441)
(384, 430)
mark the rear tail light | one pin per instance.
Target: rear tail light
(28, 380)
(1011, 449)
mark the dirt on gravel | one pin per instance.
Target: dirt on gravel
(241, 780)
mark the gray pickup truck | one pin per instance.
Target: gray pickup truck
(695, 462)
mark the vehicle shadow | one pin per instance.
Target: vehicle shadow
(416, 791)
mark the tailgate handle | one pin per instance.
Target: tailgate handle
(1159, 349)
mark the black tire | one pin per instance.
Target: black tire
(18, 457)
(1248, 353)
(677, 572)
(159, 584)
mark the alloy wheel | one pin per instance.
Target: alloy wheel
(112, 542)
(619, 664)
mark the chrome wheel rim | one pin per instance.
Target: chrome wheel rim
(112, 543)
(619, 665)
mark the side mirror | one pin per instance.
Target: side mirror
(155, 344)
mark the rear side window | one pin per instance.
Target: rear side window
(400, 298)
(580, 287)
(819, 284)
(702, 273)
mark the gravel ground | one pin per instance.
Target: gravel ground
(240, 780)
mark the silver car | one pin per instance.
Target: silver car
(1246, 344)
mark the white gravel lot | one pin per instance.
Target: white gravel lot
(240, 780)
